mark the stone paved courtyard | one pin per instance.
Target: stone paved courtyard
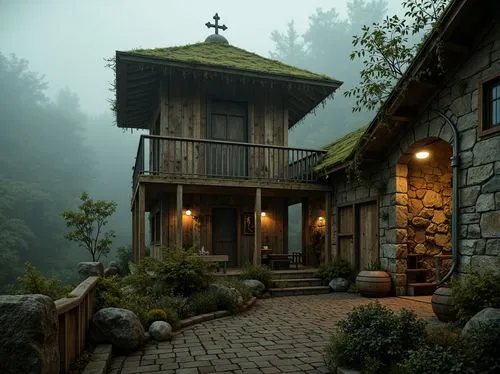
(278, 335)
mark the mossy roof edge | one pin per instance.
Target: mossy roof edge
(341, 149)
(228, 56)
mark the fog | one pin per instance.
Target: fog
(67, 41)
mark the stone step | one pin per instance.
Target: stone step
(420, 289)
(295, 291)
(293, 274)
(301, 282)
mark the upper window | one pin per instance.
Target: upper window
(490, 106)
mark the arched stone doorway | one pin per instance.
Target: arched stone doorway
(423, 214)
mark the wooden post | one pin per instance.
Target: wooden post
(257, 234)
(178, 221)
(305, 234)
(134, 232)
(141, 223)
(328, 226)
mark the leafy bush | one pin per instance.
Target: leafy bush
(141, 305)
(474, 292)
(32, 282)
(338, 268)
(477, 352)
(259, 272)
(183, 271)
(444, 336)
(372, 338)
(123, 258)
(155, 315)
(203, 302)
(108, 294)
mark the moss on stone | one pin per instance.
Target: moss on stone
(341, 149)
(227, 56)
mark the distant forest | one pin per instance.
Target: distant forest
(50, 151)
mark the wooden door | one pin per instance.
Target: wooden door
(228, 122)
(345, 234)
(224, 233)
(367, 234)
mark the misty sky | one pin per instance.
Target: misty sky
(67, 40)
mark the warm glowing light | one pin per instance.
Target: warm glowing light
(263, 214)
(188, 212)
(422, 155)
(321, 218)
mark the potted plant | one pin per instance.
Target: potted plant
(373, 281)
(442, 304)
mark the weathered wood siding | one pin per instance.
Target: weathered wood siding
(197, 228)
(184, 113)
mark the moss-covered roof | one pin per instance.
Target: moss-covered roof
(227, 56)
(341, 149)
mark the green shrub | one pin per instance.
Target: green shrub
(32, 282)
(431, 359)
(259, 272)
(372, 338)
(155, 315)
(243, 289)
(144, 277)
(444, 336)
(338, 268)
(353, 288)
(123, 257)
(474, 292)
(142, 304)
(108, 294)
(203, 302)
(183, 271)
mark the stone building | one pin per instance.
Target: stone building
(419, 187)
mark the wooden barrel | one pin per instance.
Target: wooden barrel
(442, 305)
(373, 283)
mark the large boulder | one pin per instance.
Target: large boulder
(117, 326)
(112, 269)
(160, 330)
(487, 315)
(29, 335)
(339, 284)
(231, 292)
(90, 269)
(256, 286)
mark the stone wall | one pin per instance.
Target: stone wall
(479, 180)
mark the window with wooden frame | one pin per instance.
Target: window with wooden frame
(489, 106)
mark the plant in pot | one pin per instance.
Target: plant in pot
(373, 281)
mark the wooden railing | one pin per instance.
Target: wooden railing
(75, 312)
(161, 155)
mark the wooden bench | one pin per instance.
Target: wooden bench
(216, 259)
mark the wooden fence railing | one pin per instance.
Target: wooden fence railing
(75, 312)
(165, 155)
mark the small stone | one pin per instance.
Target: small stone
(402, 184)
(474, 231)
(417, 183)
(432, 200)
(442, 240)
(469, 247)
(160, 331)
(401, 216)
(401, 236)
(426, 213)
(420, 236)
(415, 206)
(90, 269)
(401, 199)
(490, 224)
(442, 228)
(420, 193)
(439, 217)
(420, 249)
(256, 286)
(492, 185)
(493, 247)
(485, 203)
(479, 174)
(486, 151)
(339, 285)
(432, 229)
(420, 222)
(412, 194)
(469, 195)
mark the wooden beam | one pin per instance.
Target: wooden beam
(328, 226)
(455, 47)
(399, 118)
(141, 222)
(144, 82)
(178, 221)
(257, 219)
(134, 232)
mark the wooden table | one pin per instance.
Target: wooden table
(217, 259)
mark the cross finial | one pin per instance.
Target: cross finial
(216, 25)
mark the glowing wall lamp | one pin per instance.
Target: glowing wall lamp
(263, 214)
(188, 212)
(321, 219)
(422, 155)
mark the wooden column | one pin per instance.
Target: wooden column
(178, 221)
(257, 234)
(285, 226)
(141, 217)
(328, 226)
(305, 234)
(134, 232)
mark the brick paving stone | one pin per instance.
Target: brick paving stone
(285, 334)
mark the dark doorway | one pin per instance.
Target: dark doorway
(224, 233)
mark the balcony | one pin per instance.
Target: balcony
(188, 158)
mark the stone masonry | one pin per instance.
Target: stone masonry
(479, 176)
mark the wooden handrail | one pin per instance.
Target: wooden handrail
(75, 312)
